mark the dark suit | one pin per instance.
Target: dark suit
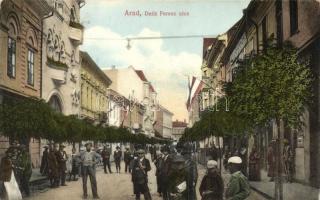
(105, 154)
(127, 159)
(117, 159)
(140, 178)
(165, 174)
(62, 161)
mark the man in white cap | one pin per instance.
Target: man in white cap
(238, 187)
(211, 187)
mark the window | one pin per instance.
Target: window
(72, 15)
(30, 73)
(11, 67)
(293, 4)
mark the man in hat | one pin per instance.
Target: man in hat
(165, 171)
(158, 163)
(105, 154)
(238, 187)
(44, 161)
(191, 170)
(127, 157)
(140, 169)
(117, 154)
(211, 187)
(89, 159)
(53, 167)
(62, 158)
(25, 167)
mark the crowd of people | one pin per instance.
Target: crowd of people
(175, 170)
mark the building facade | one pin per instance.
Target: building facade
(178, 128)
(296, 22)
(63, 34)
(20, 51)
(140, 92)
(163, 125)
(94, 84)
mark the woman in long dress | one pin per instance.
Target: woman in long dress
(8, 178)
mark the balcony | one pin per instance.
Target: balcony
(57, 71)
(76, 32)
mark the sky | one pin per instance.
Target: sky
(167, 63)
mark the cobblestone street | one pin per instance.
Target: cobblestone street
(113, 187)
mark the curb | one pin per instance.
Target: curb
(265, 195)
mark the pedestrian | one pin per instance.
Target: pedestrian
(211, 187)
(44, 161)
(74, 165)
(158, 163)
(117, 158)
(127, 157)
(25, 166)
(53, 167)
(140, 169)
(105, 154)
(254, 165)
(62, 158)
(214, 152)
(271, 160)
(88, 160)
(238, 187)
(165, 172)
(191, 170)
(288, 160)
(7, 179)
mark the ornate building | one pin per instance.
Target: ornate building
(61, 64)
(94, 85)
(20, 52)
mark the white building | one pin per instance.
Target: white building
(133, 85)
(115, 106)
(63, 34)
(163, 125)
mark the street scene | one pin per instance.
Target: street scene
(160, 99)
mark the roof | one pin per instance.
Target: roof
(85, 56)
(206, 43)
(176, 124)
(141, 75)
(165, 109)
(143, 78)
(234, 35)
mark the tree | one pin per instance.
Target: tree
(272, 85)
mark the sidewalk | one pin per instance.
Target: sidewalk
(291, 191)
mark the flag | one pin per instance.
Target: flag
(195, 87)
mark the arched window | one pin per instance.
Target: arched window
(55, 103)
(32, 46)
(11, 53)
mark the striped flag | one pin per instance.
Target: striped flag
(195, 87)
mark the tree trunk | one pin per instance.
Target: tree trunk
(220, 155)
(279, 160)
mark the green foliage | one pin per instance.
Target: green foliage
(271, 85)
(23, 119)
(217, 121)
